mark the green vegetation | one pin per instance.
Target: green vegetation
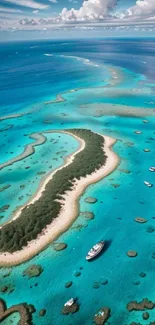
(34, 218)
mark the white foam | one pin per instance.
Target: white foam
(47, 54)
(85, 61)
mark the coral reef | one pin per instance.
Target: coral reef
(68, 284)
(90, 200)
(102, 316)
(33, 271)
(22, 309)
(70, 309)
(140, 220)
(132, 253)
(142, 305)
(87, 215)
(59, 246)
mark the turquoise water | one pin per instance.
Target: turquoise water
(34, 78)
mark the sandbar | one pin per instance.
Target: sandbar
(28, 151)
(7, 117)
(101, 109)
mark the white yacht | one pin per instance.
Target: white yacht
(69, 303)
(95, 250)
(152, 169)
(148, 184)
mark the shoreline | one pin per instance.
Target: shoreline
(70, 203)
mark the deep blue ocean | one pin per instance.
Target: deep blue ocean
(104, 74)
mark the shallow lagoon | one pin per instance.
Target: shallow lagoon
(122, 196)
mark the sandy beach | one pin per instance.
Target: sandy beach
(69, 210)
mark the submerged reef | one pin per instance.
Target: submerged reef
(142, 305)
(146, 315)
(4, 208)
(66, 310)
(35, 217)
(101, 317)
(96, 285)
(5, 187)
(7, 127)
(132, 253)
(68, 284)
(87, 215)
(42, 312)
(133, 323)
(126, 171)
(33, 271)
(79, 227)
(140, 220)
(90, 200)
(59, 246)
(7, 288)
(23, 309)
(108, 109)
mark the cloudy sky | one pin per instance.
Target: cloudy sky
(28, 19)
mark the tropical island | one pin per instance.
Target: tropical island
(54, 207)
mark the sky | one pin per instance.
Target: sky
(45, 19)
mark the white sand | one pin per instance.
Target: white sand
(69, 210)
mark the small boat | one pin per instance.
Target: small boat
(152, 169)
(69, 303)
(148, 184)
(138, 132)
(95, 250)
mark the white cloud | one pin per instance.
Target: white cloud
(90, 10)
(4, 9)
(73, 1)
(142, 8)
(92, 14)
(35, 11)
(53, 1)
(28, 3)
